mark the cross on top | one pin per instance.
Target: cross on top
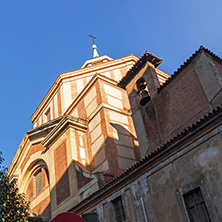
(91, 36)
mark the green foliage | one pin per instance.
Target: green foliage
(13, 206)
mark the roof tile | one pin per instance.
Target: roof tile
(187, 62)
(138, 66)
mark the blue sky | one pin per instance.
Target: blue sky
(40, 39)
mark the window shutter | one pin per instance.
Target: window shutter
(38, 183)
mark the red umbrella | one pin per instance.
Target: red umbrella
(67, 217)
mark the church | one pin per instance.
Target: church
(127, 141)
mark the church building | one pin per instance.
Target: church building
(124, 139)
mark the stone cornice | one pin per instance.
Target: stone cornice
(27, 137)
(66, 122)
(49, 125)
(17, 154)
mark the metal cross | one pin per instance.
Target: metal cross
(91, 36)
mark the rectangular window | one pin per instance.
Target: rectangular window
(118, 209)
(29, 198)
(48, 115)
(196, 207)
(38, 183)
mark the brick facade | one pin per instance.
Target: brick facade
(61, 173)
(83, 136)
(183, 125)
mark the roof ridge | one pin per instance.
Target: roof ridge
(187, 62)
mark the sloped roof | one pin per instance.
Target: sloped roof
(187, 62)
(213, 115)
(146, 57)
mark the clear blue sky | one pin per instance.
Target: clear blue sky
(40, 39)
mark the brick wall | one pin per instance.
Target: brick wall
(34, 148)
(181, 102)
(43, 208)
(61, 173)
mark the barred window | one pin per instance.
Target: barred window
(118, 209)
(38, 182)
(196, 207)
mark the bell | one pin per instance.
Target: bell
(142, 86)
(145, 97)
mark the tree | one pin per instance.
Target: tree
(13, 206)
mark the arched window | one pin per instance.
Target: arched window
(38, 182)
(139, 82)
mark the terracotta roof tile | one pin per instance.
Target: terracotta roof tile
(187, 62)
(137, 67)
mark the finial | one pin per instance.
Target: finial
(95, 53)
